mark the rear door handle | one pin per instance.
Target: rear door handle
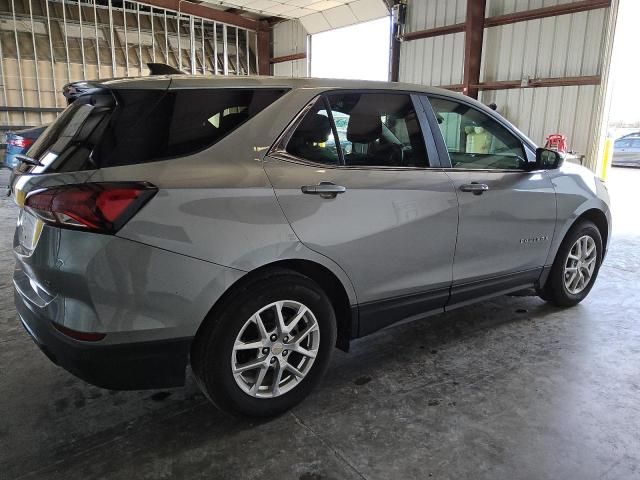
(475, 188)
(324, 189)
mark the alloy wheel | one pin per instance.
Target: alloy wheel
(275, 349)
(580, 264)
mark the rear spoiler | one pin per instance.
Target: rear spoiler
(73, 90)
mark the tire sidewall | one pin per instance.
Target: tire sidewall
(216, 371)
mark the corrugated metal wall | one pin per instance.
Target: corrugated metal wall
(568, 45)
(437, 60)
(288, 38)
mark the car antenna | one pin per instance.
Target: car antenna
(163, 69)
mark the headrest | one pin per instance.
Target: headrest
(314, 128)
(364, 127)
(230, 121)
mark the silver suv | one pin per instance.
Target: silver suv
(247, 226)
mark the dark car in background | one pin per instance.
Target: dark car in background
(19, 142)
(626, 151)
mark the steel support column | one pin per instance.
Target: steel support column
(84, 62)
(140, 60)
(474, 32)
(264, 49)
(95, 24)
(225, 51)
(215, 48)
(394, 60)
(35, 57)
(192, 44)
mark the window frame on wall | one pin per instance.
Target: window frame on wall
(431, 151)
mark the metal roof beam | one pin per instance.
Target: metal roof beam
(538, 13)
(554, 11)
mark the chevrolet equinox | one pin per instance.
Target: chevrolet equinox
(244, 227)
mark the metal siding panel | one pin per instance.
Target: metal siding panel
(560, 46)
(593, 42)
(458, 58)
(437, 60)
(531, 48)
(576, 44)
(541, 111)
(288, 38)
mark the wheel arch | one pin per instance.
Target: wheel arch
(593, 214)
(600, 220)
(346, 314)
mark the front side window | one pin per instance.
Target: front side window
(378, 129)
(475, 140)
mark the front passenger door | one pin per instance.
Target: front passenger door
(507, 212)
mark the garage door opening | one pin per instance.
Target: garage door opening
(358, 52)
(624, 115)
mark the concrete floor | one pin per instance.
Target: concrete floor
(507, 389)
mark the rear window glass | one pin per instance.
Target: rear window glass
(138, 126)
(152, 125)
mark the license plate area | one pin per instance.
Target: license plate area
(29, 228)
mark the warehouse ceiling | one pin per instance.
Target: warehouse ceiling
(316, 15)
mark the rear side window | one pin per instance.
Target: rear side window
(378, 130)
(125, 127)
(154, 125)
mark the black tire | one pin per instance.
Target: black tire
(213, 347)
(555, 291)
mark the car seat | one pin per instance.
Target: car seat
(314, 130)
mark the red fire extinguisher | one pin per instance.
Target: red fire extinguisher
(557, 142)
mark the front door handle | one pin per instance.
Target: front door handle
(324, 189)
(475, 188)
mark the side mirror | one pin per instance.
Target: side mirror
(548, 159)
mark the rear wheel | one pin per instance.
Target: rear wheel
(267, 347)
(576, 266)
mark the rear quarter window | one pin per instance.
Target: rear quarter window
(124, 127)
(157, 125)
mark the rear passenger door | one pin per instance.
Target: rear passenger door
(355, 180)
(507, 211)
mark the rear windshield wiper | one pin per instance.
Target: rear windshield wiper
(27, 159)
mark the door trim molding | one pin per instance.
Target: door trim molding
(378, 314)
(463, 294)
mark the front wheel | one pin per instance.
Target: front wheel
(576, 266)
(268, 346)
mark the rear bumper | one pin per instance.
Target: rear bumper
(147, 301)
(133, 366)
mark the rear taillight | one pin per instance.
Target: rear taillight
(21, 142)
(96, 207)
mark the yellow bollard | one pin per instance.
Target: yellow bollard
(607, 157)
